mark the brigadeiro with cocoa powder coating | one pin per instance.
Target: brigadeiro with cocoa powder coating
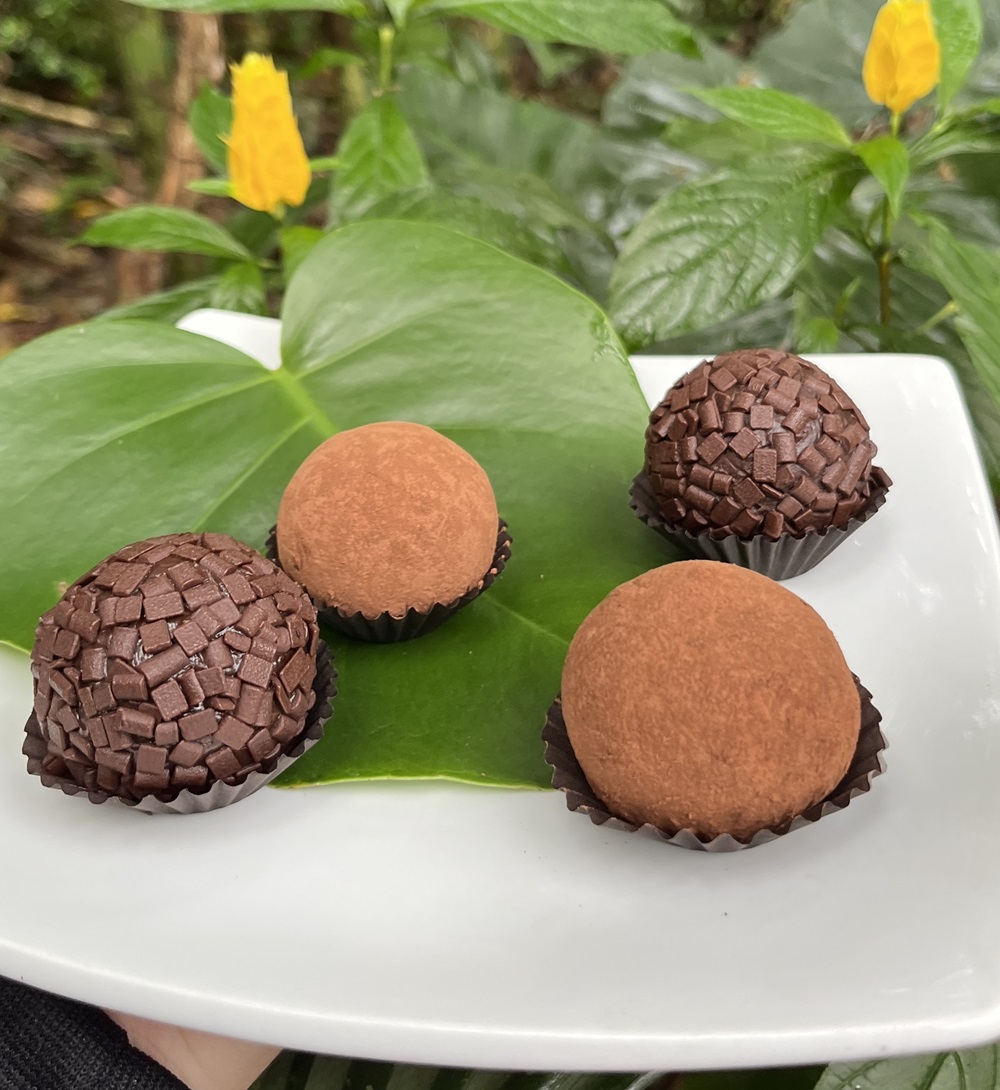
(391, 527)
(758, 457)
(180, 674)
(711, 705)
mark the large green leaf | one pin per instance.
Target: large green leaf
(163, 229)
(975, 1069)
(971, 276)
(378, 156)
(959, 25)
(717, 247)
(776, 113)
(617, 26)
(157, 430)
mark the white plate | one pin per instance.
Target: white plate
(491, 928)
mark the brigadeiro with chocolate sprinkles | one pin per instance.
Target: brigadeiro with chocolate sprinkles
(758, 457)
(180, 674)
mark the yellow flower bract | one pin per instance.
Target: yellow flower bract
(903, 59)
(268, 166)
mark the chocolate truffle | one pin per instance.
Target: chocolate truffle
(175, 663)
(760, 442)
(704, 696)
(388, 518)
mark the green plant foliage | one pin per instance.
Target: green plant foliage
(718, 247)
(777, 114)
(971, 275)
(240, 288)
(959, 25)
(355, 8)
(535, 166)
(889, 161)
(167, 306)
(167, 230)
(977, 1069)
(296, 244)
(299, 1071)
(476, 218)
(618, 26)
(58, 41)
(211, 118)
(378, 156)
(183, 432)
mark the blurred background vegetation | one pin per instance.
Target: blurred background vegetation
(85, 114)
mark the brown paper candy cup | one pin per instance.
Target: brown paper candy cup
(220, 793)
(568, 777)
(385, 628)
(784, 558)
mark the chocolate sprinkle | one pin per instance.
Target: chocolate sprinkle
(793, 442)
(127, 674)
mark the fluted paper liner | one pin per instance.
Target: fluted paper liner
(784, 558)
(220, 793)
(568, 777)
(385, 628)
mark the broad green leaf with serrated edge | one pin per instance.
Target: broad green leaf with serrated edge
(971, 276)
(974, 1069)
(165, 230)
(959, 26)
(721, 141)
(296, 245)
(776, 114)
(889, 161)
(211, 118)
(378, 155)
(355, 8)
(240, 288)
(166, 306)
(717, 247)
(616, 26)
(158, 430)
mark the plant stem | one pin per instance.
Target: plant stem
(949, 310)
(386, 37)
(884, 259)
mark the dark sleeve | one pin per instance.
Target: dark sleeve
(50, 1043)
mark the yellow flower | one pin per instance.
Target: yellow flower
(268, 167)
(903, 60)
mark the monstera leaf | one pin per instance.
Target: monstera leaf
(115, 431)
